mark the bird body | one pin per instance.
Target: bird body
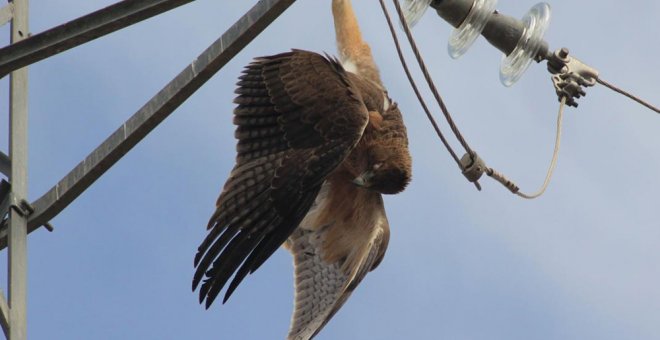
(317, 147)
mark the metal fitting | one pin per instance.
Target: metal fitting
(570, 75)
(473, 167)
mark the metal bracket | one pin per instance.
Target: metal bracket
(9, 201)
(570, 75)
(22, 207)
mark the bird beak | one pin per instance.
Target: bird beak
(364, 180)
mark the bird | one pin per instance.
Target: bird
(319, 143)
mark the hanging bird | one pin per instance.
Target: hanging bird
(319, 142)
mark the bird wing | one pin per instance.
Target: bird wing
(297, 118)
(322, 287)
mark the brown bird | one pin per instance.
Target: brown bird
(317, 147)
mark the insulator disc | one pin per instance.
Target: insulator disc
(413, 10)
(536, 22)
(464, 36)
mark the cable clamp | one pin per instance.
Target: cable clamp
(570, 75)
(473, 167)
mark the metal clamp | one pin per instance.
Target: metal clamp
(9, 201)
(570, 75)
(22, 207)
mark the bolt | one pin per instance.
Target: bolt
(563, 53)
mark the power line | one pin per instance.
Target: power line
(627, 94)
(414, 87)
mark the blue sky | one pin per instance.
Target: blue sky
(578, 263)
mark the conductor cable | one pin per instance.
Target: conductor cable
(415, 89)
(627, 94)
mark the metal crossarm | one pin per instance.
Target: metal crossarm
(80, 31)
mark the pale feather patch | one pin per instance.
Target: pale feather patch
(349, 65)
(386, 102)
(319, 205)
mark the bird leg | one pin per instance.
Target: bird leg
(354, 52)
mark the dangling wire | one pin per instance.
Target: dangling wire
(498, 176)
(629, 95)
(555, 154)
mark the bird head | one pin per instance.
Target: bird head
(388, 171)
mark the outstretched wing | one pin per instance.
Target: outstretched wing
(322, 287)
(297, 118)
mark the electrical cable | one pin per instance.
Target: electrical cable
(555, 154)
(627, 94)
(429, 81)
(415, 89)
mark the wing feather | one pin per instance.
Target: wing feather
(322, 288)
(297, 119)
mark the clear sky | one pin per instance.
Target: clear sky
(580, 262)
